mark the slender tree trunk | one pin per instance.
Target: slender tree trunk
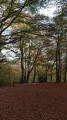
(0, 35)
(65, 71)
(22, 76)
(22, 66)
(46, 77)
(56, 68)
(46, 74)
(58, 62)
(25, 69)
(27, 79)
(29, 59)
(30, 70)
(34, 75)
(52, 71)
(51, 76)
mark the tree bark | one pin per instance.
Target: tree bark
(51, 76)
(65, 71)
(22, 66)
(28, 63)
(25, 70)
(58, 62)
(34, 75)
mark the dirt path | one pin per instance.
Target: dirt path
(45, 101)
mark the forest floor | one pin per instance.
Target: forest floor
(42, 101)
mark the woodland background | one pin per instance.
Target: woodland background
(37, 43)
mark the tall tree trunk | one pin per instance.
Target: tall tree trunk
(57, 76)
(29, 59)
(22, 66)
(46, 77)
(65, 71)
(34, 74)
(46, 74)
(51, 76)
(27, 79)
(30, 70)
(0, 35)
(58, 62)
(22, 76)
(25, 70)
(52, 71)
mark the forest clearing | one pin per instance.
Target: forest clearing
(37, 101)
(33, 59)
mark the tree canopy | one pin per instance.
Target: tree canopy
(38, 44)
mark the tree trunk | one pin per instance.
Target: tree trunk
(22, 66)
(27, 77)
(30, 70)
(65, 71)
(34, 75)
(25, 70)
(51, 76)
(46, 77)
(22, 76)
(58, 62)
(28, 63)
